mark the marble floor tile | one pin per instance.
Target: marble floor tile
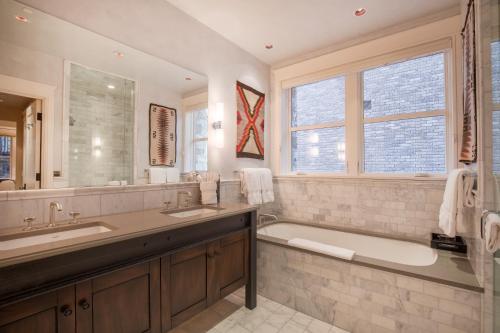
(230, 316)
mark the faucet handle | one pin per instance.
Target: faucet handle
(75, 216)
(29, 220)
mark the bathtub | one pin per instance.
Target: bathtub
(385, 249)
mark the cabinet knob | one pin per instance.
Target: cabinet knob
(84, 304)
(66, 311)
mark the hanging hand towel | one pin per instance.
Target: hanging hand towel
(251, 185)
(492, 232)
(266, 180)
(457, 195)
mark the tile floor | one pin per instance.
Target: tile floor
(230, 316)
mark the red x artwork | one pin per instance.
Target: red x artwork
(250, 122)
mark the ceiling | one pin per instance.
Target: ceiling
(297, 27)
(14, 102)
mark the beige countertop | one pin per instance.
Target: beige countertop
(124, 226)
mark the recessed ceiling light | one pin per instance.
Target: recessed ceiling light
(118, 54)
(110, 86)
(187, 78)
(21, 18)
(360, 12)
(269, 46)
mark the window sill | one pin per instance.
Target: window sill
(377, 177)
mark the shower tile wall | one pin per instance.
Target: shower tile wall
(101, 128)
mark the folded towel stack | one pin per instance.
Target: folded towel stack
(257, 185)
(492, 232)
(458, 195)
(330, 250)
(208, 187)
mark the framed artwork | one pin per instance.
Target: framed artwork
(250, 122)
(162, 135)
(468, 152)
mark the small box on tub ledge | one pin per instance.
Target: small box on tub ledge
(443, 242)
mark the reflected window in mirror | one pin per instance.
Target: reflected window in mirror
(101, 128)
(196, 129)
(6, 157)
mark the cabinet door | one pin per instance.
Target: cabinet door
(124, 301)
(184, 285)
(227, 268)
(48, 313)
(231, 257)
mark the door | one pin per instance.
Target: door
(228, 265)
(48, 313)
(183, 285)
(124, 301)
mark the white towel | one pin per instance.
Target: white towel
(208, 192)
(266, 181)
(257, 185)
(330, 250)
(458, 194)
(492, 232)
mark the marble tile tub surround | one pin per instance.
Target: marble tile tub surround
(403, 207)
(97, 201)
(362, 299)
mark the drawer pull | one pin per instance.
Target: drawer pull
(84, 304)
(66, 311)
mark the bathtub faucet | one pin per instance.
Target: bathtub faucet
(271, 216)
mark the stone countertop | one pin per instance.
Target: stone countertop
(124, 226)
(450, 268)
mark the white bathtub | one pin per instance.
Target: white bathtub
(401, 252)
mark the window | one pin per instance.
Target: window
(197, 140)
(387, 115)
(317, 126)
(404, 117)
(5, 157)
(495, 73)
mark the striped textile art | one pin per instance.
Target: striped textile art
(162, 135)
(468, 153)
(250, 122)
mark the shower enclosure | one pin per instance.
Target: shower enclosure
(101, 128)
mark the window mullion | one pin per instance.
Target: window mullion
(352, 123)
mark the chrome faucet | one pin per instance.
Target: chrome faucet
(53, 207)
(187, 201)
(271, 216)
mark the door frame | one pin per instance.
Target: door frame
(45, 93)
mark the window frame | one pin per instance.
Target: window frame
(190, 138)
(354, 112)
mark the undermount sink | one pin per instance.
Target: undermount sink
(191, 211)
(44, 236)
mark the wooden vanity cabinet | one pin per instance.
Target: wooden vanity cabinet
(196, 277)
(53, 312)
(124, 301)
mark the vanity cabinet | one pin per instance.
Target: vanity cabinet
(146, 284)
(52, 312)
(196, 277)
(125, 301)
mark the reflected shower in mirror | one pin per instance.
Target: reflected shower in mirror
(101, 128)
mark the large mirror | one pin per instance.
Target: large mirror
(75, 107)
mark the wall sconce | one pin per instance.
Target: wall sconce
(97, 146)
(217, 125)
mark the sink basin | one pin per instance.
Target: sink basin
(44, 236)
(191, 211)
